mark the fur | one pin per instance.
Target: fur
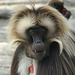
(29, 18)
(58, 31)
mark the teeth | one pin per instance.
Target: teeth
(35, 51)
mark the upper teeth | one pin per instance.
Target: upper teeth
(35, 51)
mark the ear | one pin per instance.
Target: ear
(59, 5)
(56, 46)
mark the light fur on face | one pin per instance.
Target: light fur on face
(26, 18)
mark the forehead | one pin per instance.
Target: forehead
(30, 18)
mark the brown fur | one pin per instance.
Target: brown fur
(39, 13)
(55, 63)
(55, 1)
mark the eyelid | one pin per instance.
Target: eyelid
(32, 32)
(41, 32)
(37, 32)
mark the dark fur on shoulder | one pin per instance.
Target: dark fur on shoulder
(57, 65)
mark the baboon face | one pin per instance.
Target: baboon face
(37, 39)
(39, 28)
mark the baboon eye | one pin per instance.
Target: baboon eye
(32, 32)
(41, 32)
(54, 5)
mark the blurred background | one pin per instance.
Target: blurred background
(7, 7)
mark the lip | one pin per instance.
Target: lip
(35, 51)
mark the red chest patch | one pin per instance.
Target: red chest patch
(31, 68)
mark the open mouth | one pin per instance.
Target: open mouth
(35, 51)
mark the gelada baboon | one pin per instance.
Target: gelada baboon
(46, 45)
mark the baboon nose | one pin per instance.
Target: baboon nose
(38, 41)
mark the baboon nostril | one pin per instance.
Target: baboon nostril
(38, 41)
